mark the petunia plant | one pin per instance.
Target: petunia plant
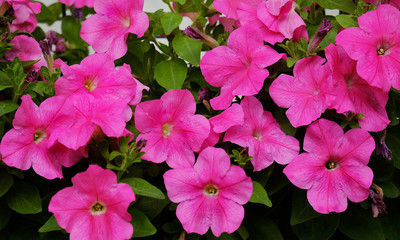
(207, 119)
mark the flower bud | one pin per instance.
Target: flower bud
(381, 147)
(51, 37)
(77, 12)
(325, 27)
(44, 45)
(60, 46)
(204, 94)
(195, 34)
(378, 207)
(31, 76)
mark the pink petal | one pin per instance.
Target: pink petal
(183, 184)
(230, 117)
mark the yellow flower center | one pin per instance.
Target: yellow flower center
(257, 135)
(166, 129)
(211, 190)
(331, 164)
(98, 208)
(90, 84)
(381, 51)
(38, 136)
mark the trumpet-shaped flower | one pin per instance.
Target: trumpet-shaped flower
(334, 166)
(95, 207)
(376, 46)
(275, 19)
(210, 194)
(354, 93)
(24, 13)
(108, 29)
(307, 94)
(171, 128)
(96, 76)
(28, 143)
(263, 135)
(239, 68)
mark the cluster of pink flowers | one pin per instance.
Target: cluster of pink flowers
(94, 97)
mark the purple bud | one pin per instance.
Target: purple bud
(51, 37)
(325, 27)
(381, 147)
(193, 33)
(141, 144)
(378, 207)
(44, 45)
(77, 12)
(60, 46)
(204, 94)
(31, 76)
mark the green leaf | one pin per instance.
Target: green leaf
(261, 227)
(7, 107)
(393, 143)
(389, 189)
(180, 1)
(188, 49)
(49, 14)
(319, 228)
(357, 223)
(260, 195)
(171, 74)
(6, 181)
(5, 81)
(141, 224)
(43, 88)
(50, 225)
(301, 209)
(151, 206)
(143, 188)
(346, 21)
(71, 28)
(24, 198)
(304, 3)
(344, 5)
(170, 21)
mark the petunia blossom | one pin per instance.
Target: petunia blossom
(171, 128)
(354, 93)
(96, 76)
(262, 134)
(24, 13)
(228, 7)
(334, 166)
(28, 143)
(26, 49)
(210, 194)
(239, 67)
(95, 207)
(108, 29)
(307, 94)
(375, 45)
(276, 20)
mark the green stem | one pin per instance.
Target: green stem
(123, 168)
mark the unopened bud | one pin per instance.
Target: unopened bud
(204, 94)
(44, 45)
(31, 76)
(77, 12)
(325, 27)
(197, 35)
(381, 147)
(378, 207)
(141, 144)
(60, 46)
(51, 37)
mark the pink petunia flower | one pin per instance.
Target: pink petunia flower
(238, 68)
(210, 194)
(95, 207)
(171, 128)
(334, 166)
(275, 19)
(26, 49)
(376, 46)
(24, 13)
(28, 143)
(354, 93)
(307, 94)
(395, 3)
(263, 135)
(96, 76)
(229, 7)
(108, 29)
(78, 3)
